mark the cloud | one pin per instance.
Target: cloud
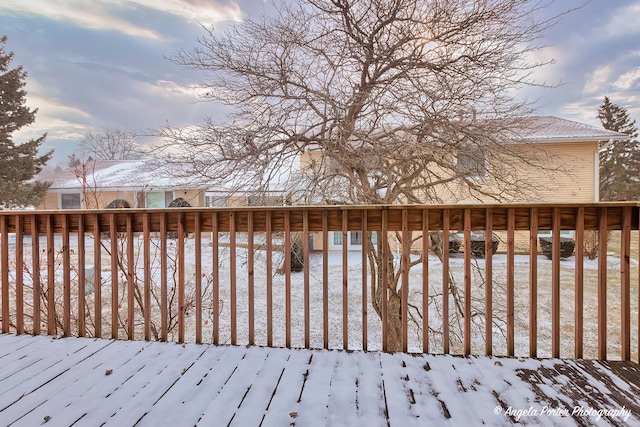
(171, 89)
(628, 80)
(107, 14)
(206, 12)
(54, 117)
(624, 22)
(599, 80)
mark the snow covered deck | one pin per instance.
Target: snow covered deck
(82, 381)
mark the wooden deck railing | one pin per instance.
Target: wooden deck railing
(224, 276)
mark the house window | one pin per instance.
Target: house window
(158, 199)
(563, 233)
(356, 238)
(472, 162)
(215, 201)
(374, 237)
(70, 201)
(337, 238)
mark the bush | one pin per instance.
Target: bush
(567, 246)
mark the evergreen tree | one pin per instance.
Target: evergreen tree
(19, 163)
(620, 160)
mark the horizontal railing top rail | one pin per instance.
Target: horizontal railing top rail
(337, 217)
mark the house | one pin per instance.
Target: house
(571, 152)
(143, 183)
(117, 183)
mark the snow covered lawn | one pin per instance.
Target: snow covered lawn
(355, 296)
(82, 381)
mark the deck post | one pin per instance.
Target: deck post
(6, 320)
(602, 283)
(533, 282)
(467, 281)
(488, 285)
(425, 280)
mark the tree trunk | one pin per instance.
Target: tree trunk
(394, 318)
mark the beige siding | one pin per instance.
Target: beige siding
(567, 175)
(50, 201)
(194, 197)
(579, 183)
(99, 199)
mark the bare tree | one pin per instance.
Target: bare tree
(392, 101)
(110, 144)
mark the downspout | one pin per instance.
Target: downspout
(596, 177)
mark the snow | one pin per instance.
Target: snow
(105, 382)
(354, 306)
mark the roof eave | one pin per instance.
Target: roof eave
(578, 139)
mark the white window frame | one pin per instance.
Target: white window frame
(563, 233)
(335, 240)
(469, 153)
(168, 198)
(212, 200)
(72, 193)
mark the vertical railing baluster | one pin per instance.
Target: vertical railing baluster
(97, 276)
(113, 233)
(404, 272)
(19, 275)
(345, 281)
(325, 279)
(52, 328)
(445, 281)
(305, 261)
(215, 272)
(488, 285)
(269, 267)
(602, 283)
(287, 276)
(511, 225)
(66, 277)
(146, 233)
(6, 319)
(197, 236)
(533, 283)
(579, 286)
(35, 258)
(625, 285)
(251, 277)
(81, 276)
(182, 308)
(383, 281)
(467, 281)
(365, 283)
(555, 283)
(131, 271)
(233, 309)
(164, 315)
(425, 280)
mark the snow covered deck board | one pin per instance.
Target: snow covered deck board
(80, 381)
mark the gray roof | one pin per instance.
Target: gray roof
(555, 129)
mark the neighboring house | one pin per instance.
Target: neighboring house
(139, 184)
(117, 183)
(571, 147)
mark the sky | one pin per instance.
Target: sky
(99, 64)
